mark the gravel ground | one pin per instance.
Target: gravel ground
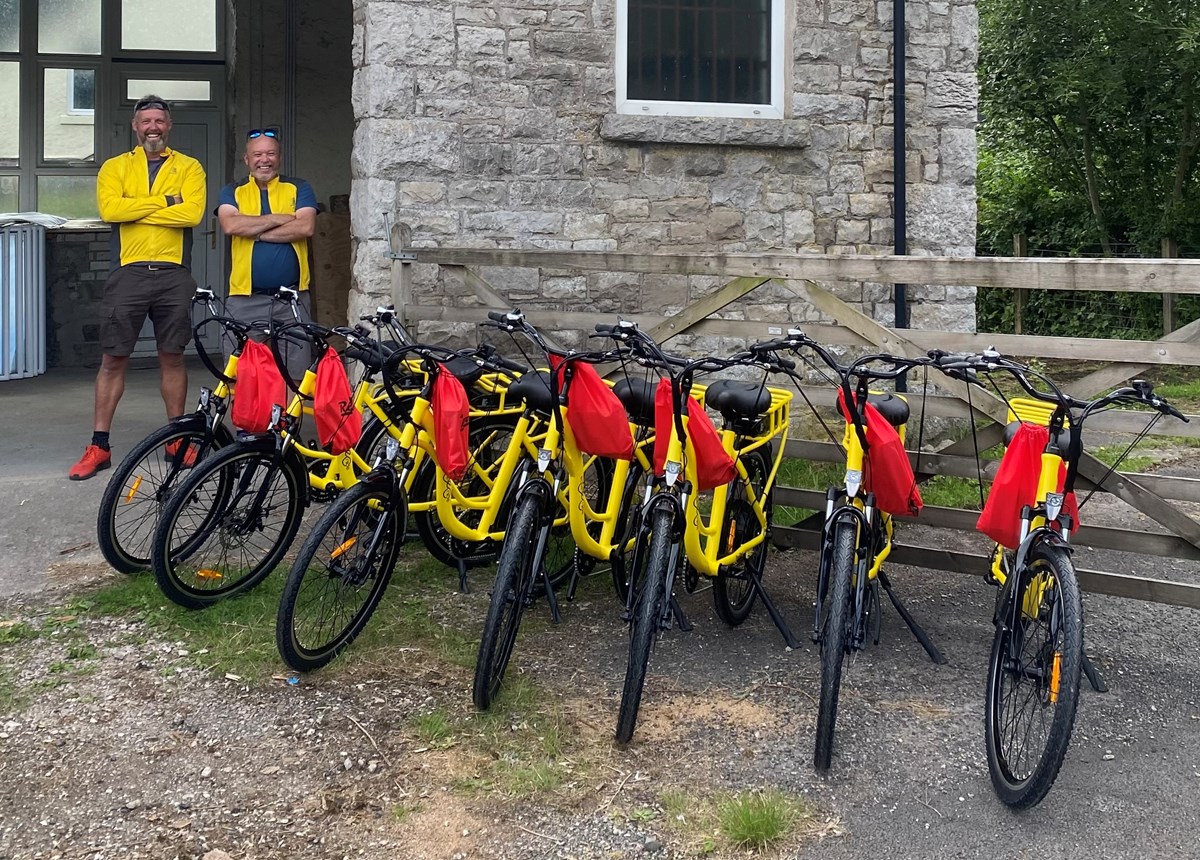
(150, 755)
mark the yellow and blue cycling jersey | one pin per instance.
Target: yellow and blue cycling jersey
(258, 267)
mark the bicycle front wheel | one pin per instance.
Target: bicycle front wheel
(339, 575)
(227, 526)
(137, 492)
(648, 610)
(1033, 678)
(835, 634)
(514, 582)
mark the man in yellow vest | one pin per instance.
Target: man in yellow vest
(269, 219)
(152, 197)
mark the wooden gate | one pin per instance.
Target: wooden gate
(842, 324)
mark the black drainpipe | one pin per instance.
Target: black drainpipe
(899, 175)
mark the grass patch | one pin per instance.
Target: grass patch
(758, 819)
(746, 821)
(435, 728)
(13, 631)
(234, 636)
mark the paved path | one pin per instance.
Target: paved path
(47, 522)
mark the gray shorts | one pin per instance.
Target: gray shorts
(131, 293)
(258, 307)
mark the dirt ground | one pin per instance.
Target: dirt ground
(151, 753)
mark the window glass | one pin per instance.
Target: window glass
(10, 25)
(68, 121)
(169, 25)
(8, 193)
(696, 51)
(69, 26)
(172, 91)
(68, 196)
(10, 112)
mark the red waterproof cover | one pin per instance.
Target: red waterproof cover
(713, 464)
(886, 470)
(451, 424)
(1015, 486)
(595, 414)
(259, 387)
(339, 424)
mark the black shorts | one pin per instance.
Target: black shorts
(133, 292)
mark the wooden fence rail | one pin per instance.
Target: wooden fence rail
(1161, 498)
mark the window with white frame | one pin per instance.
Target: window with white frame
(701, 57)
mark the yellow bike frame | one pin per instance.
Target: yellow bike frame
(707, 547)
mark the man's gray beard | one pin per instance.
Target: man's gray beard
(154, 145)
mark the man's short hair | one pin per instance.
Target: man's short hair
(152, 102)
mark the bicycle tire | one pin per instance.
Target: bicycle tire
(511, 590)
(204, 549)
(136, 493)
(340, 575)
(733, 591)
(1049, 581)
(648, 611)
(835, 630)
(489, 440)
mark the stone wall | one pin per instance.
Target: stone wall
(493, 125)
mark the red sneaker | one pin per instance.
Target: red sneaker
(189, 456)
(93, 460)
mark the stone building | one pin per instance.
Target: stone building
(510, 124)
(564, 124)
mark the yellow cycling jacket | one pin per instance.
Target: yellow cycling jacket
(145, 227)
(281, 195)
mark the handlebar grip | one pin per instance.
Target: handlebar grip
(505, 363)
(497, 316)
(785, 363)
(605, 328)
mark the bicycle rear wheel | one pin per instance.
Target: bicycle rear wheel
(515, 576)
(835, 634)
(733, 591)
(1033, 678)
(489, 440)
(340, 575)
(227, 526)
(136, 493)
(649, 608)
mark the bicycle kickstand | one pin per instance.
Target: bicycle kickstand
(917, 631)
(462, 575)
(1093, 675)
(681, 620)
(551, 598)
(788, 639)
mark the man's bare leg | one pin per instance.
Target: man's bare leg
(173, 382)
(110, 385)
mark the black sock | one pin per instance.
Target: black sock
(100, 440)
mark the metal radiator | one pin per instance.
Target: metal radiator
(22, 301)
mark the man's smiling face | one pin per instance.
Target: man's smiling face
(262, 158)
(152, 126)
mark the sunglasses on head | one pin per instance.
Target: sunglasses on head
(263, 132)
(151, 104)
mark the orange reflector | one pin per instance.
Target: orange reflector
(133, 490)
(1055, 675)
(206, 573)
(343, 548)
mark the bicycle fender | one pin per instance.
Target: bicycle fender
(1042, 534)
(193, 421)
(383, 475)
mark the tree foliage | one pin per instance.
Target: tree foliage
(1088, 136)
